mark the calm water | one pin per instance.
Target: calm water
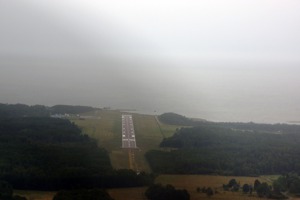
(268, 95)
(217, 92)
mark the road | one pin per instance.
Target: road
(128, 134)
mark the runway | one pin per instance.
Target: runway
(128, 134)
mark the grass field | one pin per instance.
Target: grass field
(190, 183)
(105, 127)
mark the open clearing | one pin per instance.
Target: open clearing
(106, 126)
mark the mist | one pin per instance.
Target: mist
(222, 62)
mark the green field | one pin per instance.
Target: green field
(105, 127)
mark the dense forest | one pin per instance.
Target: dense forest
(63, 109)
(160, 192)
(42, 153)
(22, 110)
(209, 149)
(45, 153)
(176, 119)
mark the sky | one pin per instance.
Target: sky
(219, 60)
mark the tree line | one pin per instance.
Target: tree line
(22, 110)
(160, 192)
(288, 184)
(176, 119)
(211, 149)
(43, 153)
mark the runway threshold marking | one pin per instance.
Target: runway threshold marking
(128, 139)
(128, 133)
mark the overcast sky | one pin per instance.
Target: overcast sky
(165, 55)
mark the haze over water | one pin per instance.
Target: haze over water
(251, 93)
(222, 62)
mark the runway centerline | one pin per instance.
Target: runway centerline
(128, 134)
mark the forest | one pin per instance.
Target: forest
(62, 109)
(22, 110)
(43, 153)
(176, 119)
(210, 149)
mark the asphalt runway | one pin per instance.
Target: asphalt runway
(128, 134)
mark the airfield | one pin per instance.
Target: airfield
(127, 137)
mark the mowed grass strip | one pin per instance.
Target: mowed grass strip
(105, 127)
(148, 137)
(147, 132)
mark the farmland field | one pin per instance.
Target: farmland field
(35, 195)
(190, 183)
